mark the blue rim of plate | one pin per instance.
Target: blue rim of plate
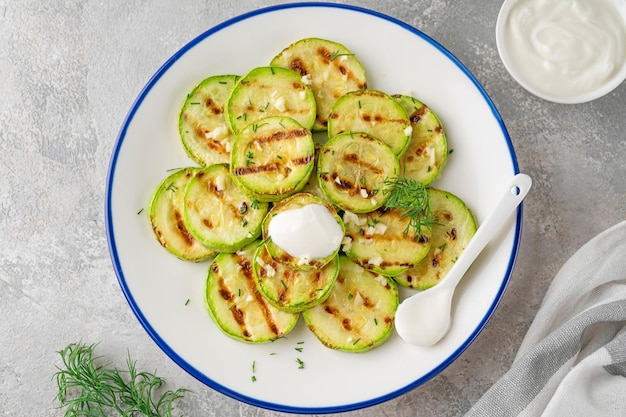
(181, 361)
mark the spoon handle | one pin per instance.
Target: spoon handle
(518, 188)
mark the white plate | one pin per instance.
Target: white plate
(397, 59)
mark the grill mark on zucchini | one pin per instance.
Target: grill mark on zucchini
(348, 186)
(283, 135)
(417, 115)
(354, 159)
(273, 166)
(184, 233)
(238, 314)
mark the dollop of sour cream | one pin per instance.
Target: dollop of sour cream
(307, 232)
(566, 48)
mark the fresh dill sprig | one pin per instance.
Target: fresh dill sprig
(337, 54)
(411, 199)
(89, 388)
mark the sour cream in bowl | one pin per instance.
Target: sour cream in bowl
(564, 51)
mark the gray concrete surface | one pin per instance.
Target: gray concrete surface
(69, 71)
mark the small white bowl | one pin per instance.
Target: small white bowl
(562, 94)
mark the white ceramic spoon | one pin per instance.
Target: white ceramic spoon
(424, 318)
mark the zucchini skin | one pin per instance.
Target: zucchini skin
(166, 217)
(289, 289)
(272, 158)
(454, 229)
(359, 313)
(375, 113)
(233, 301)
(330, 68)
(352, 169)
(377, 241)
(202, 127)
(218, 213)
(427, 152)
(293, 202)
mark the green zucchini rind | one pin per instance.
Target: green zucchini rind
(166, 218)
(359, 313)
(352, 169)
(294, 202)
(293, 290)
(377, 241)
(270, 91)
(218, 213)
(205, 135)
(455, 226)
(233, 301)
(328, 67)
(372, 112)
(312, 185)
(427, 153)
(272, 158)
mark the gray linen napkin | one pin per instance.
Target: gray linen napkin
(572, 361)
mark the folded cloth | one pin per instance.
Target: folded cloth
(572, 361)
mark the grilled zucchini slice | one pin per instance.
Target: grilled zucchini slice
(352, 169)
(203, 130)
(454, 228)
(218, 213)
(359, 313)
(378, 241)
(427, 152)
(293, 290)
(166, 218)
(372, 112)
(295, 202)
(272, 158)
(235, 304)
(328, 67)
(270, 91)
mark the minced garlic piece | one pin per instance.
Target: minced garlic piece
(280, 104)
(346, 243)
(349, 217)
(220, 183)
(381, 280)
(220, 132)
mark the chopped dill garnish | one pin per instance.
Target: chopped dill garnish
(337, 54)
(410, 198)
